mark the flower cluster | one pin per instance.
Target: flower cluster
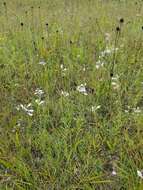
(64, 93)
(39, 93)
(94, 108)
(26, 108)
(82, 89)
(136, 110)
(101, 61)
(115, 82)
(42, 63)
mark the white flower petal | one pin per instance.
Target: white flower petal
(114, 172)
(140, 174)
(39, 102)
(82, 89)
(64, 93)
(42, 63)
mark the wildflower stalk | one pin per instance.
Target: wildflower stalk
(118, 31)
(114, 53)
(114, 60)
(47, 36)
(40, 20)
(6, 14)
(32, 15)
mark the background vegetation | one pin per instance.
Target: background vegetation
(71, 94)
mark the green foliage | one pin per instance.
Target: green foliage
(71, 95)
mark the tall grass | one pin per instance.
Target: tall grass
(71, 95)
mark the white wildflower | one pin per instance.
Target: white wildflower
(94, 108)
(39, 92)
(64, 93)
(19, 123)
(30, 114)
(63, 68)
(26, 109)
(105, 52)
(140, 174)
(39, 102)
(108, 51)
(114, 173)
(137, 110)
(13, 129)
(29, 105)
(115, 78)
(42, 63)
(84, 69)
(82, 89)
(114, 82)
(99, 64)
(115, 85)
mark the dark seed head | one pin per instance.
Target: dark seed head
(4, 3)
(111, 74)
(121, 20)
(142, 27)
(47, 24)
(21, 24)
(118, 29)
(42, 38)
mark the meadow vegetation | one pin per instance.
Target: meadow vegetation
(71, 95)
